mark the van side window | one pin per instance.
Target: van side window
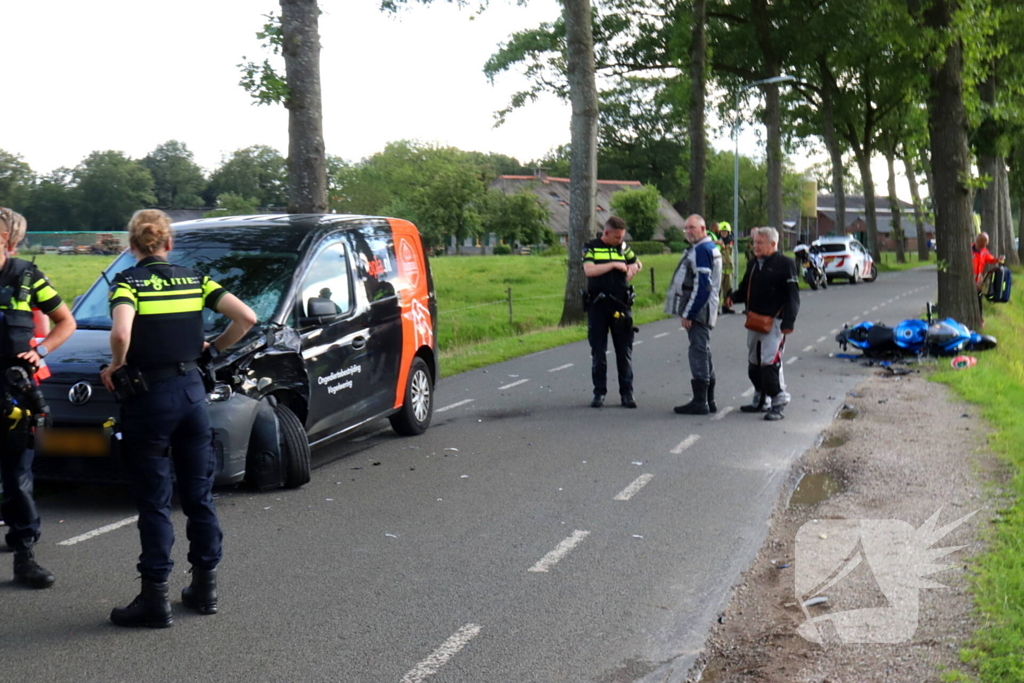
(375, 256)
(327, 281)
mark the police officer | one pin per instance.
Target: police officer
(725, 242)
(22, 288)
(609, 265)
(157, 334)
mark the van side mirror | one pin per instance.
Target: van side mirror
(321, 308)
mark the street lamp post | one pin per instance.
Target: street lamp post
(736, 168)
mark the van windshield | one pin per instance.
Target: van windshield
(253, 263)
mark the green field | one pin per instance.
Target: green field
(71, 275)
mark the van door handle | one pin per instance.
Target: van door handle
(359, 343)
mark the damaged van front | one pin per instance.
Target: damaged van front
(346, 335)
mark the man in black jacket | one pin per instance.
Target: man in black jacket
(770, 287)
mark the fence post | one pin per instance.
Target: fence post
(509, 290)
(652, 279)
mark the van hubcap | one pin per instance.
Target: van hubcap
(420, 395)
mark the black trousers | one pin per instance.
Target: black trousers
(601, 321)
(18, 507)
(172, 416)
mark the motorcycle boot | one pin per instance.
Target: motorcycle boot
(772, 386)
(758, 404)
(712, 406)
(201, 595)
(151, 607)
(28, 572)
(698, 405)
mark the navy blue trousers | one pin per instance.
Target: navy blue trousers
(172, 416)
(17, 508)
(601, 321)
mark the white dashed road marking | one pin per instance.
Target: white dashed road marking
(821, 339)
(563, 549)
(865, 312)
(637, 343)
(834, 331)
(807, 349)
(513, 384)
(659, 336)
(630, 491)
(561, 367)
(102, 530)
(855, 319)
(748, 393)
(429, 666)
(792, 360)
(722, 413)
(875, 308)
(455, 405)
(685, 443)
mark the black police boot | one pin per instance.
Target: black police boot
(772, 388)
(201, 596)
(754, 373)
(627, 400)
(150, 608)
(712, 406)
(699, 404)
(598, 401)
(28, 571)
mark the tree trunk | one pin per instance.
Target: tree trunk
(989, 199)
(870, 214)
(835, 153)
(915, 195)
(698, 91)
(583, 159)
(307, 165)
(894, 210)
(1006, 222)
(950, 157)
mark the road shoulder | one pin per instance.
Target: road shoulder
(905, 448)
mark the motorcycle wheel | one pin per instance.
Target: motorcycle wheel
(811, 281)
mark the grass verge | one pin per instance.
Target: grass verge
(996, 385)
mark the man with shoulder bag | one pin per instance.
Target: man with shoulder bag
(770, 290)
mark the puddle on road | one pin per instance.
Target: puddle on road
(814, 488)
(847, 413)
(834, 441)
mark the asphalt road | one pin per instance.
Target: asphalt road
(524, 537)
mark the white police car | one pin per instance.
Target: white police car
(847, 258)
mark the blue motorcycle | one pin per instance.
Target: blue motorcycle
(945, 337)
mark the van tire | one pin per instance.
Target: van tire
(413, 418)
(294, 447)
(872, 274)
(855, 278)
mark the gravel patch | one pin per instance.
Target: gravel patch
(900, 449)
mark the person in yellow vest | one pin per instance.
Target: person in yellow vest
(157, 336)
(22, 288)
(725, 243)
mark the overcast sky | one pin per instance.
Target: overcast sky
(127, 75)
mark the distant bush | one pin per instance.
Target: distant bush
(674, 234)
(677, 247)
(502, 250)
(553, 250)
(647, 247)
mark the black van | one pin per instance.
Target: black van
(346, 334)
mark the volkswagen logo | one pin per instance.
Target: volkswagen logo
(80, 393)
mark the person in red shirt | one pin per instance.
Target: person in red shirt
(984, 263)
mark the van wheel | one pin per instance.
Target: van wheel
(872, 274)
(855, 278)
(294, 447)
(413, 417)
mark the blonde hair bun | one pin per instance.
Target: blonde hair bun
(149, 231)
